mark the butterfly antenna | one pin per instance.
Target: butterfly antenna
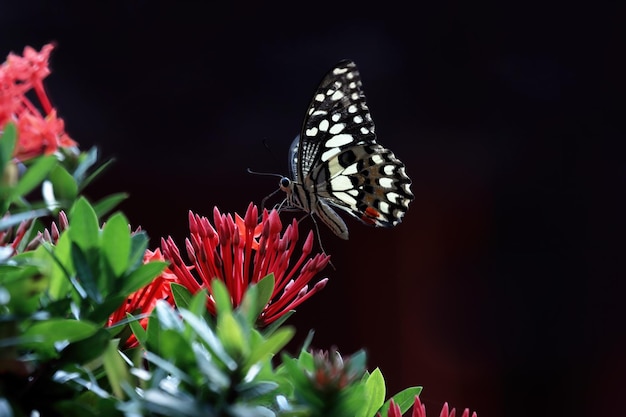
(267, 147)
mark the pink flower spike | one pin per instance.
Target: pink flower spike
(394, 410)
(419, 410)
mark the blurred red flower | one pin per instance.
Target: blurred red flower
(37, 133)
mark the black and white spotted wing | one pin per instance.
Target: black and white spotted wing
(336, 161)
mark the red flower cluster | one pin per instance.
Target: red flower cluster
(419, 410)
(143, 301)
(242, 251)
(37, 134)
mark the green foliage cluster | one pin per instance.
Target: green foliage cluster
(60, 357)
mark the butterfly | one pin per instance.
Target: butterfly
(335, 161)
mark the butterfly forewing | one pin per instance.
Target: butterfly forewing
(336, 159)
(336, 118)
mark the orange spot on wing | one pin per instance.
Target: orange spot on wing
(369, 215)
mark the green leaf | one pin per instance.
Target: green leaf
(374, 394)
(47, 333)
(7, 144)
(266, 289)
(142, 276)
(22, 286)
(115, 243)
(86, 350)
(202, 329)
(15, 219)
(62, 268)
(103, 310)
(168, 318)
(84, 228)
(177, 349)
(231, 334)
(223, 303)
(256, 298)
(277, 323)
(168, 366)
(116, 370)
(85, 182)
(404, 399)
(271, 346)
(138, 330)
(197, 305)
(108, 203)
(87, 160)
(64, 185)
(87, 270)
(138, 246)
(181, 294)
(34, 176)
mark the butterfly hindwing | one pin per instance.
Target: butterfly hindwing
(368, 182)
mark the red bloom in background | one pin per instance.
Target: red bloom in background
(143, 301)
(37, 134)
(241, 252)
(419, 410)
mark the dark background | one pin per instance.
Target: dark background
(502, 290)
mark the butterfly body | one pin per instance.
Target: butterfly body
(336, 161)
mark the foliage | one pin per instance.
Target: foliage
(93, 323)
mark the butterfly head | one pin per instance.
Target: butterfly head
(285, 184)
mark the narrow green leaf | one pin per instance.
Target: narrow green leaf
(197, 305)
(271, 346)
(55, 330)
(223, 303)
(177, 349)
(256, 298)
(34, 176)
(181, 294)
(202, 329)
(108, 203)
(7, 144)
(86, 350)
(138, 246)
(404, 399)
(85, 182)
(84, 228)
(168, 317)
(63, 184)
(87, 270)
(375, 392)
(116, 369)
(277, 323)
(142, 276)
(248, 307)
(266, 289)
(87, 160)
(138, 330)
(62, 268)
(102, 311)
(231, 334)
(115, 243)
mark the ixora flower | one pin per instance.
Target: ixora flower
(419, 410)
(242, 251)
(142, 302)
(37, 133)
